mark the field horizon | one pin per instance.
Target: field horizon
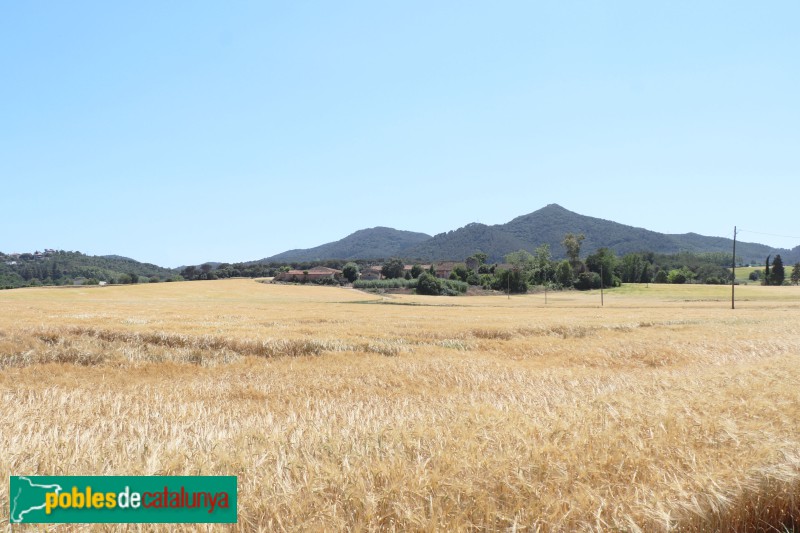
(337, 409)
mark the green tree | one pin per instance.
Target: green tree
(767, 273)
(564, 273)
(350, 272)
(542, 264)
(190, 273)
(416, 270)
(510, 280)
(646, 275)
(634, 268)
(393, 268)
(604, 261)
(778, 274)
(796, 274)
(587, 280)
(680, 276)
(460, 272)
(428, 284)
(572, 245)
(521, 261)
(479, 257)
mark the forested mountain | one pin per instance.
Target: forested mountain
(58, 267)
(463, 242)
(544, 226)
(549, 224)
(372, 243)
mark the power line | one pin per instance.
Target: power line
(770, 234)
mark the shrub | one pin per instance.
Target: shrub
(453, 287)
(395, 283)
(677, 277)
(428, 284)
(680, 276)
(587, 280)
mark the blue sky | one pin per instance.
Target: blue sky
(182, 132)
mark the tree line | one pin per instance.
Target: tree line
(521, 270)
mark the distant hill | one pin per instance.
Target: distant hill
(463, 242)
(372, 243)
(546, 225)
(61, 267)
(214, 264)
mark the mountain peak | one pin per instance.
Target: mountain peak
(547, 225)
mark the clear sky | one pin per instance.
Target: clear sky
(184, 132)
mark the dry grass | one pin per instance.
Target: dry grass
(338, 410)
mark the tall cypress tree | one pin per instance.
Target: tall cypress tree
(778, 274)
(766, 271)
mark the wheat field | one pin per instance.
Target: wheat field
(338, 410)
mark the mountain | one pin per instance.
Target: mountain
(550, 223)
(547, 225)
(463, 242)
(372, 243)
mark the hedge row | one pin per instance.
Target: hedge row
(396, 283)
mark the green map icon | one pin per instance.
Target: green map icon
(122, 499)
(27, 499)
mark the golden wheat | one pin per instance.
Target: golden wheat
(340, 410)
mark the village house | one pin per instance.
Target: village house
(441, 270)
(444, 269)
(371, 272)
(312, 274)
(407, 268)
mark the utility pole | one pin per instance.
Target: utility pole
(733, 270)
(601, 284)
